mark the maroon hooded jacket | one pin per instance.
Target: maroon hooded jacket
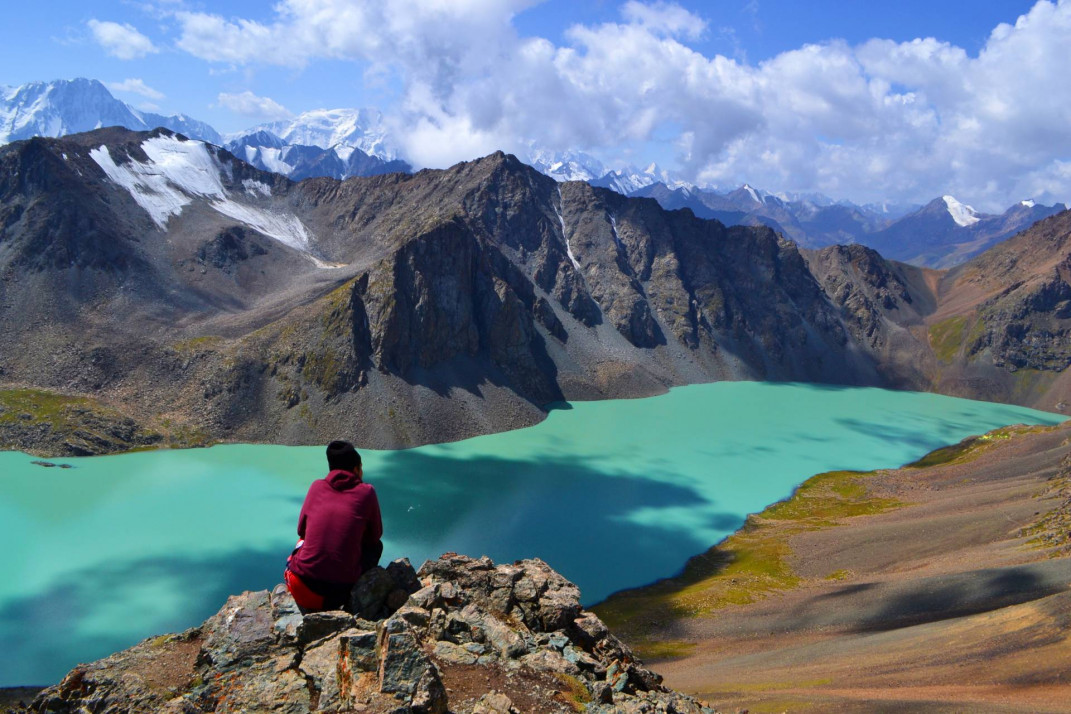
(339, 521)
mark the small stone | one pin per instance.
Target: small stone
(582, 659)
(494, 703)
(427, 597)
(415, 616)
(450, 652)
(549, 661)
(602, 693)
(448, 591)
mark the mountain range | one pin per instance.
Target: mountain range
(343, 143)
(166, 281)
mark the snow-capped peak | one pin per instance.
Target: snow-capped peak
(754, 194)
(363, 129)
(1029, 203)
(961, 213)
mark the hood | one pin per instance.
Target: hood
(342, 480)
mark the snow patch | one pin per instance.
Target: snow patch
(617, 238)
(287, 229)
(149, 188)
(254, 187)
(961, 213)
(561, 219)
(754, 194)
(1029, 203)
(179, 171)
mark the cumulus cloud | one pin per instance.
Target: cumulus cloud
(135, 86)
(879, 120)
(122, 41)
(250, 105)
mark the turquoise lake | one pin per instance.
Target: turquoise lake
(612, 494)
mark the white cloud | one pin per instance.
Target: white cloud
(880, 120)
(122, 41)
(135, 86)
(250, 105)
(665, 18)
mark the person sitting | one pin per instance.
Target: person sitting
(340, 533)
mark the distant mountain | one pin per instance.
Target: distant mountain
(269, 152)
(362, 129)
(71, 106)
(945, 232)
(344, 143)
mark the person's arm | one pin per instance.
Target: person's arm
(371, 542)
(303, 517)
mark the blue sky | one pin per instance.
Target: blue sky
(860, 100)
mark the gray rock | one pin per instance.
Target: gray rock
(369, 596)
(583, 660)
(242, 630)
(317, 625)
(427, 597)
(404, 577)
(320, 664)
(602, 692)
(494, 703)
(358, 651)
(415, 616)
(405, 671)
(549, 661)
(450, 652)
(285, 614)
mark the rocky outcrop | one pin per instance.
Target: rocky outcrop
(469, 637)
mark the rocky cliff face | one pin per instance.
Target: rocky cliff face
(462, 635)
(198, 295)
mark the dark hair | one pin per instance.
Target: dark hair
(342, 455)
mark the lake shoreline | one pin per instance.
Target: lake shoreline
(669, 475)
(851, 612)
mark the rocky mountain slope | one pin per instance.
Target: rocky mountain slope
(168, 280)
(462, 635)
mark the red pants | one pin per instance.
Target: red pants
(303, 596)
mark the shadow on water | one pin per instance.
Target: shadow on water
(605, 531)
(97, 611)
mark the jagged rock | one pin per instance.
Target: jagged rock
(381, 591)
(317, 625)
(242, 630)
(470, 622)
(285, 614)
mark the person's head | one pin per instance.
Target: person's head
(342, 455)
